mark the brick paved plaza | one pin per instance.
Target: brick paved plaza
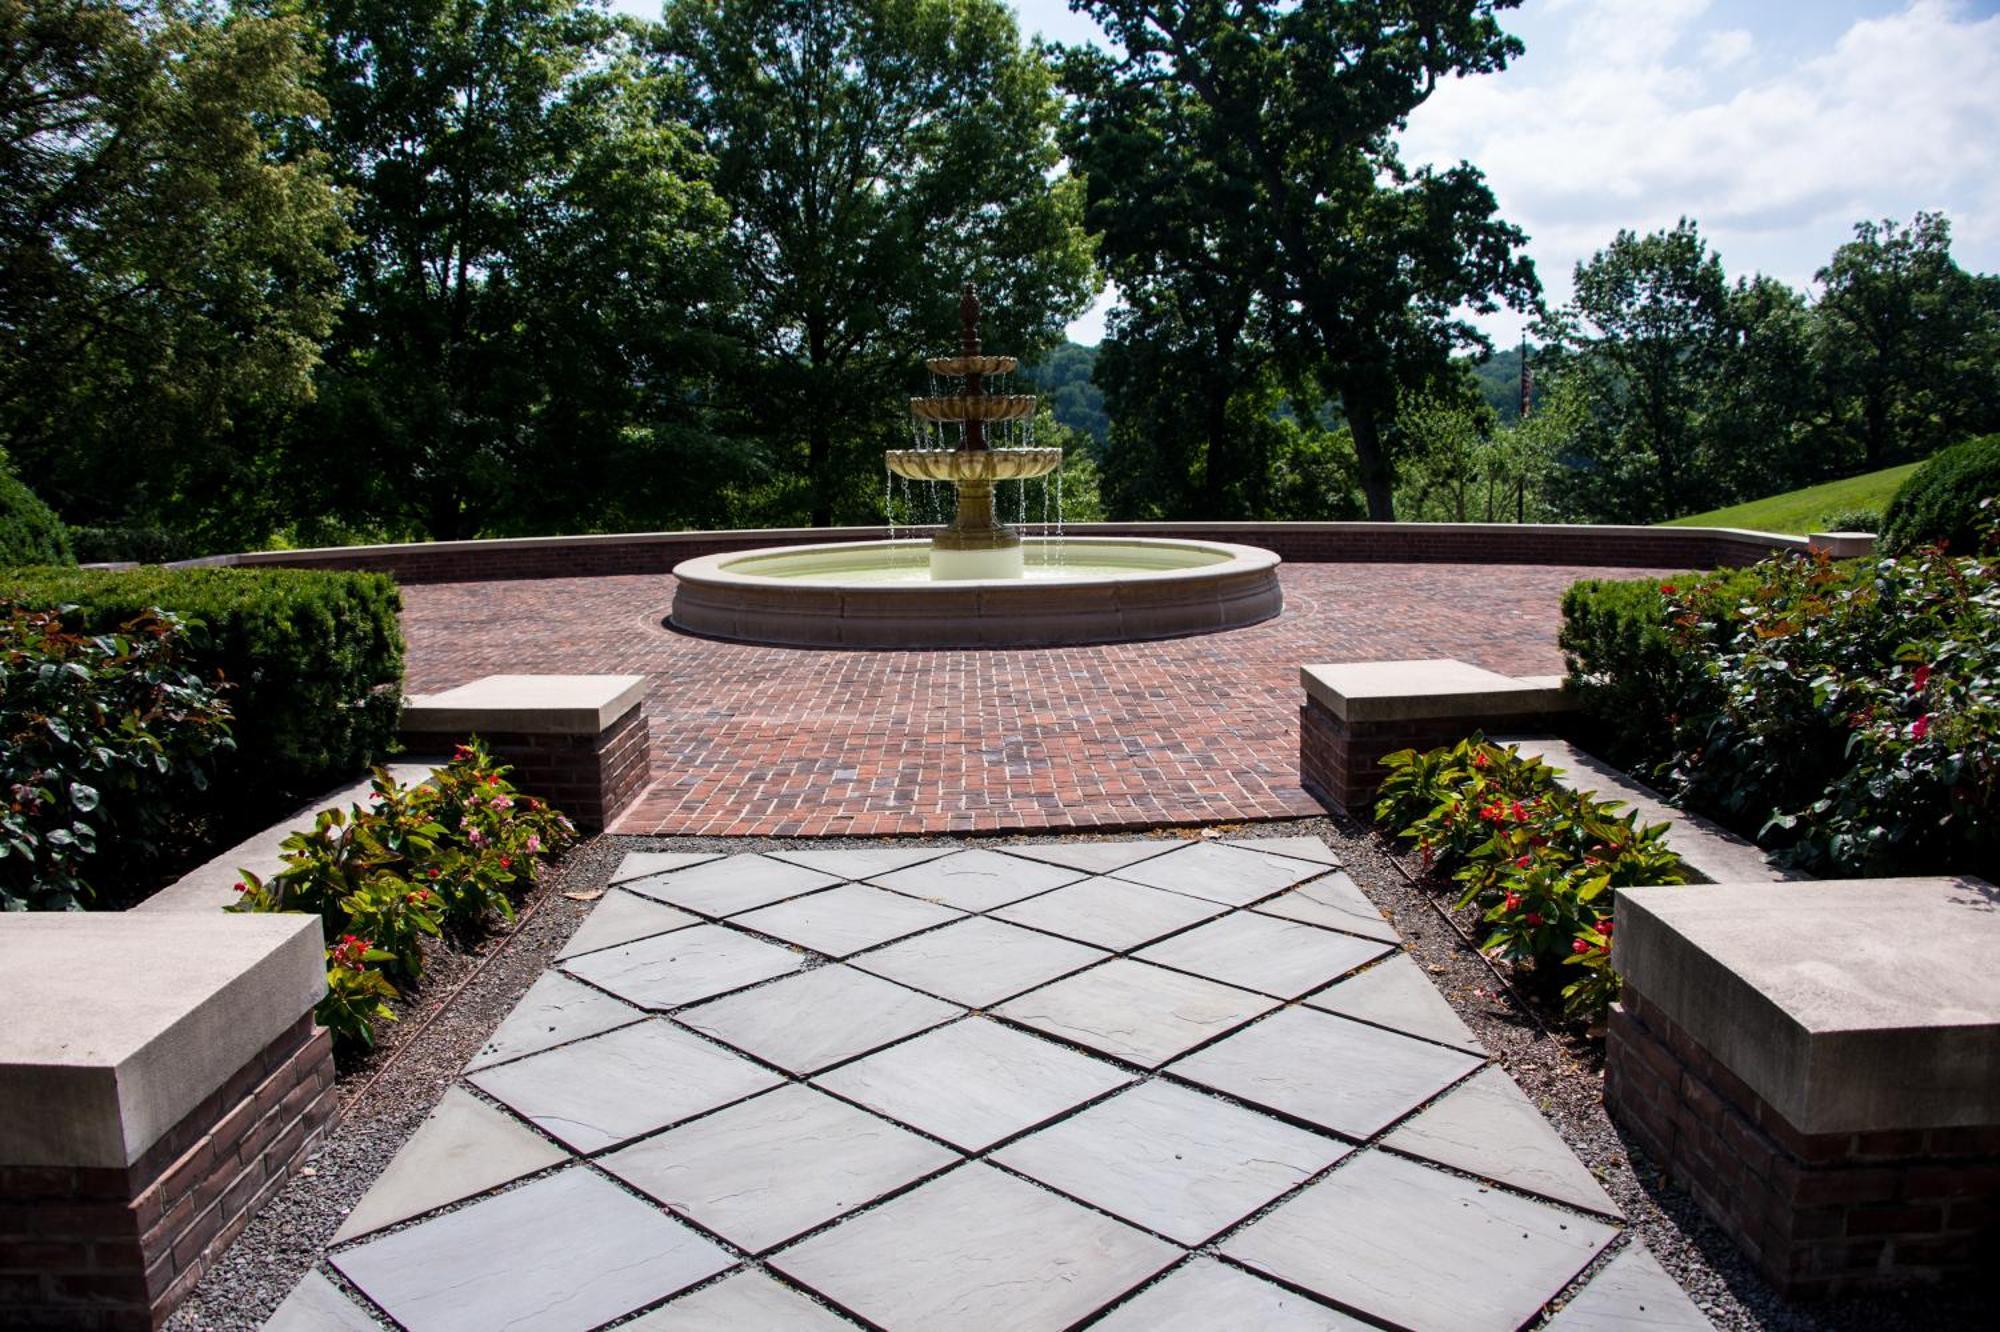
(790, 742)
(1182, 1085)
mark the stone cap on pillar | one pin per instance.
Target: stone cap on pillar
(1432, 689)
(119, 1025)
(526, 705)
(1848, 1005)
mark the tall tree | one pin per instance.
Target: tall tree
(874, 155)
(1642, 342)
(1285, 109)
(530, 333)
(1909, 342)
(165, 252)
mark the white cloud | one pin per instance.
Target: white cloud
(1639, 116)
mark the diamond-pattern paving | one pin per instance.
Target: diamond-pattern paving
(1167, 1109)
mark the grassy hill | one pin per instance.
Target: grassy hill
(1801, 511)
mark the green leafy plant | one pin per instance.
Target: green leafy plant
(414, 863)
(30, 532)
(1543, 862)
(102, 736)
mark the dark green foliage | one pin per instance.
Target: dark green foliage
(30, 532)
(134, 545)
(1631, 679)
(1064, 379)
(105, 738)
(312, 662)
(1940, 503)
(1845, 714)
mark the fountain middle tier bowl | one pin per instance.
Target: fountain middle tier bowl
(973, 464)
(879, 594)
(974, 407)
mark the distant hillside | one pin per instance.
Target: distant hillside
(1064, 380)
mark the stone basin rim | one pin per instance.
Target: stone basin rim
(1236, 587)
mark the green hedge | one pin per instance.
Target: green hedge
(30, 532)
(1941, 500)
(313, 660)
(1630, 682)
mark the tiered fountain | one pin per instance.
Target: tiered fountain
(975, 582)
(976, 545)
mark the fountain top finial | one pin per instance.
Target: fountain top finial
(968, 320)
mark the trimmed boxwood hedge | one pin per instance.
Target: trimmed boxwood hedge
(30, 532)
(1941, 500)
(1629, 681)
(313, 660)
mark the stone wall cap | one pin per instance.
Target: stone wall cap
(526, 705)
(1427, 689)
(1849, 1005)
(118, 1025)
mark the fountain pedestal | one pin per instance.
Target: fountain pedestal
(976, 544)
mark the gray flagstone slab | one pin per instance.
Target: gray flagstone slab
(764, 1170)
(1341, 1075)
(465, 1147)
(974, 1082)
(563, 1254)
(978, 962)
(1203, 1295)
(1335, 901)
(862, 862)
(1420, 1248)
(621, 917)
(726, 887)
(684, 967)
(846, 919)
(642, 864)
(1097, 857)
(1219, 873)
(973, 1251)
(1298, 848)
(1632, 1294)
(1398, 994)
(600, 1092)
(1110, 913)
(743, 1302)
(820, 1017)
(1134, 1011)
(317, 1305)
(977, 880)
(554, 1010)
(1488, 1127)
(1277, 957)
(1172, 1160)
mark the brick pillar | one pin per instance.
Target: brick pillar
(1340, 762)
(112, 1249)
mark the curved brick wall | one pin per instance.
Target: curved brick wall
(1303, 543)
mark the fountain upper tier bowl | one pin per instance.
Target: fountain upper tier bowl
(880, 594)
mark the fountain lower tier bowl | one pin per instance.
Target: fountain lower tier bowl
(879, 594)
(961, 465)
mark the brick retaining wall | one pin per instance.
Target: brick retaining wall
(1819, 1213)
(1304, 543)
(117, 1249)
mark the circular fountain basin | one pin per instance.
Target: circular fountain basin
(879, 594)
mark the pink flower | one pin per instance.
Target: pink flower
(533, 846)
(1579, 947)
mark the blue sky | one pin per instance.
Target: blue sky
(1775, 124)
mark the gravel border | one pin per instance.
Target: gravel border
(385, 1096)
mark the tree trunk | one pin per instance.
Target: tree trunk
(1378, 480)
(1219, 460)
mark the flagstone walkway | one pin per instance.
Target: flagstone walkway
(1144, 1085)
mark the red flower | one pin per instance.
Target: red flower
(1524, 862)
(242, 887)
(1492, 813)
(1533, 918)
(1480, 760)
(1921, 727)
(1668, 588)
(506, 863)
(1579, 947)
(1520, 814)
(1604, 927)
(1920, 678)
(1513, 901)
